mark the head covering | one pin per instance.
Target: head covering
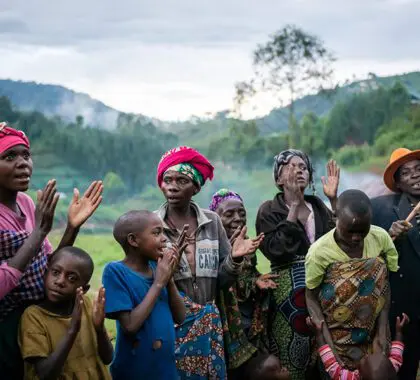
(398, 158)
(185, 155)
(10, 137)
(188, 170)
(283, 158)
(221, 196)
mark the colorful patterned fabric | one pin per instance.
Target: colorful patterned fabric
(188, 170)
(31, 285)
(221, 196)
(199, 348)
(290, 338)
(184, 154)
(10, 137)
(247, 292)
(352, 296)
(336, 372)
(237, 347)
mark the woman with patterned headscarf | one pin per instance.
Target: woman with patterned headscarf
(208, 264)
(20, 236)
(291, 222)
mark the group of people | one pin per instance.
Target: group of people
(341, 300)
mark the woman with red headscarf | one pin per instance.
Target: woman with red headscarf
(24, 248)
(207, 265)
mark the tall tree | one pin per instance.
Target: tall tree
(292, 60)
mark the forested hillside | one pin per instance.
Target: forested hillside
(75, 154)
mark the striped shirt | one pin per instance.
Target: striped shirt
(337, 372)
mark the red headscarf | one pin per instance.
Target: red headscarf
(184, 155)
(10, 137)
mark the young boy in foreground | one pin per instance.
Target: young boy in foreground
(143, 299)
(64, 337)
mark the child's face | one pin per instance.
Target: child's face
(65, 274)
(352, 229)
(273, 370)
(151, 242)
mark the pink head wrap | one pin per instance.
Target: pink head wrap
(184, 155)
(10, 137)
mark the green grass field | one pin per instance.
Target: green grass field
(103, 249)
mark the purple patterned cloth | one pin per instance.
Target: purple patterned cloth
(221, 196)
(31, 285)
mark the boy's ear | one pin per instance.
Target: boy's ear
(132, 240)
(86, 288)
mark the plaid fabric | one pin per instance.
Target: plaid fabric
(31, 285)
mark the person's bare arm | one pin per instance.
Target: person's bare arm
(132, 321)
(380, 342)
(176, 303)
(314, 309)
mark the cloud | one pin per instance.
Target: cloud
(170, 59)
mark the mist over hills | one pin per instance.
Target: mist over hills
(55, 100)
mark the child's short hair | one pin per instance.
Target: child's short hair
(377, 367)
(78, 253)
(255, 367)
(131, 221)
(356, 201)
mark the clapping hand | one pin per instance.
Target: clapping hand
(76, 316)
(296, 193)
(243, 246)
(98, 315)
(165, 268)
(265, 281)
(81, 209)
(46, 203)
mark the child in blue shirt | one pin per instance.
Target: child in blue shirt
(143, 299)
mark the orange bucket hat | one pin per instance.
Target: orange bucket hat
(398, 157)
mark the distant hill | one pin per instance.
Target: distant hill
(320, 104)
(55, 100)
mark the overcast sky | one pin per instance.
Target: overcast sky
(171, 59)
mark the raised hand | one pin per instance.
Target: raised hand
(81, 209)
(401, 322)
(165, 268)
(265, 281)
(243, 246)
(296, 193)
(98, 315)
(76, 316)
(398, 228)
(331, 182)
(46, 203)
